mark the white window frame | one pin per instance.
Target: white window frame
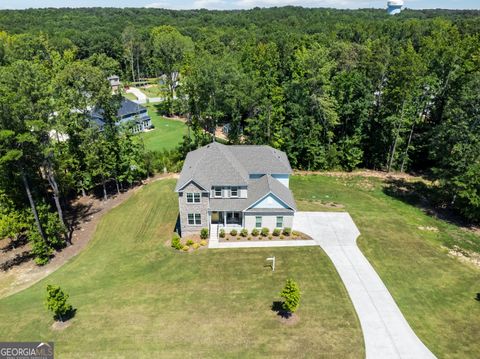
(193, 197)
(231, 193)
(189, 195)
(256, 221)
(281, 220)
(194, 219)
(215, 192)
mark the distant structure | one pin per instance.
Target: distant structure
(394, 6)
(114, 82)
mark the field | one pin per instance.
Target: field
(408, 249)
(137, 297)
(167, 133)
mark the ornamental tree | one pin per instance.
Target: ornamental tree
(291, 294)
(57, 303)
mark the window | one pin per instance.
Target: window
(279, 222)
(194, 219)
(234, 192)
(193, 197)
(258, 221)
(218, 191)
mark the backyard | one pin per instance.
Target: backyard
(167, 133)
(142, 298)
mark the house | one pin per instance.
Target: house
(235, 187)
(129, 112)
(114, 82)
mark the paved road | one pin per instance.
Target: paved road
(141, 97)
(386, 331)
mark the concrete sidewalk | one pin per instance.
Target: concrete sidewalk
(386, 332)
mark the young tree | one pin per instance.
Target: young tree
(291, 294)
(56, 302)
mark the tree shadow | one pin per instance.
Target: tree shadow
(20, 258)
(277, 306)
(66, 317)
(13, 244)
(431, 200)
(177, 227)
(77, 214)
(477, 298)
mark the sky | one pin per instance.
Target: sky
(236, 4)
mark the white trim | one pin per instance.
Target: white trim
(262, 198)
(187, 183)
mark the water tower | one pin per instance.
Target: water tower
(394, 6)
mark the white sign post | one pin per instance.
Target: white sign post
(273, 263)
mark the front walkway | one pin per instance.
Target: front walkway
(386, 332)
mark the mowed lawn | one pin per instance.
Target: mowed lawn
(435, 292)
(136, 297)
(167, 133)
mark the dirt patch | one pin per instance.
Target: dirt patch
(57, 325)
(87, 212)
(428, 228)
(464, 255)
(289, 320)
(362, 173)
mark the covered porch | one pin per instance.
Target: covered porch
(227, 219)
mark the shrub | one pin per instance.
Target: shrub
(244, 232)
(282, 236)
(185, 248)
(270, 237)
(222, 233)
(233, 232)
(296, 234)
(189, 242)
(255, 232)
(238, 238)
(196, 245)
(249, 238)
(203, 243)
(287, 231)
(204, 233)
(176, 241)
(265, 231)
(56, 302)
(276, 232)
(291, 294)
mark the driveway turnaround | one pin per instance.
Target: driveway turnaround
(385, 330)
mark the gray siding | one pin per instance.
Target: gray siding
(186, 208)
(269, 220)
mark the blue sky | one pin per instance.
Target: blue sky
(236, 4)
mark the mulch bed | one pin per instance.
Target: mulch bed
(297, 236)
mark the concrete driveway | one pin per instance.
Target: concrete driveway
(385, 330)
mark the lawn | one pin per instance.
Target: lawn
(167, 133)
(137, 297)
(154, 90)
(434, 291)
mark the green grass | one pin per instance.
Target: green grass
(136, 297)
(130, 96)
(154, 91)
(167, 133)
(434, 291)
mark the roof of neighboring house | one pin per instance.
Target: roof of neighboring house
(258, 188)
(220, 165)
(127, 108)
(114, 80)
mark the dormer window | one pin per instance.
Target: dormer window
(234, 192)
(218, 192)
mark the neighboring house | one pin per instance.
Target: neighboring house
(129, 112)
(114, 82)
(235, 187)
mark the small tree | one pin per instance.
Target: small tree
(57, 302)
(204, 233)
(291, 294)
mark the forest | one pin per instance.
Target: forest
(334, 89)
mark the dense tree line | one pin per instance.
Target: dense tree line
(334, 89)
(50, 150)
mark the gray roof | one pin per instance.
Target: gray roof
(127, 109)
(220, 165)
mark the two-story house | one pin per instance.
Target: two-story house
(235, 187)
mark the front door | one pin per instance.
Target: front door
(217, 217)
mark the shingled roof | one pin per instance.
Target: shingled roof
(220, 165)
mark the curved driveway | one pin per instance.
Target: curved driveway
(385, 330)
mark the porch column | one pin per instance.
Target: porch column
(224, 219)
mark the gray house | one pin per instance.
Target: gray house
(235, 187)
(129, 112)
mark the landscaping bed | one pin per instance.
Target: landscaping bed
(261, 235)
(190, 243)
